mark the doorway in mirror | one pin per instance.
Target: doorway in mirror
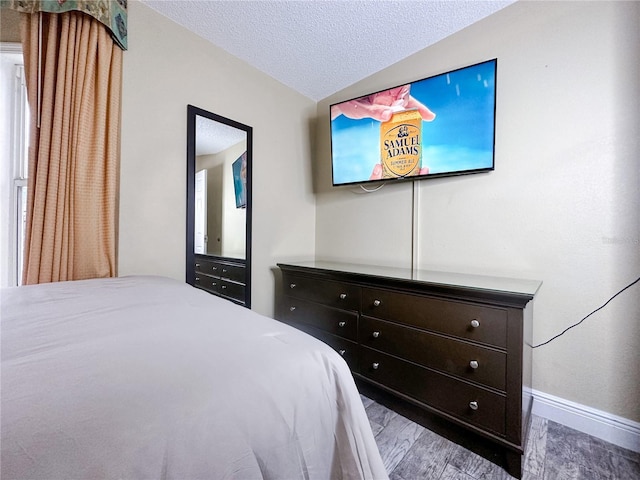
(200, 213)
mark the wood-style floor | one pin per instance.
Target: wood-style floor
(554, 452)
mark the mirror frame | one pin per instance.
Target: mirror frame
(192, 113)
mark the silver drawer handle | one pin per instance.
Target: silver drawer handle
(197, 265)
(376, 334)
(224, 270)
(376, 303)
(197, 279)
(473, 405)
(342, 324)
(292, 308)
(293, 285)
(343, 296)
(473, 364)
(375, 365)
(213, 284)
(475, 323)
(342, 352)
(224, 287)
(214, 268)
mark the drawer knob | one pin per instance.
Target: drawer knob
(473, 405)
(342, 324)
(213, 284)
(376, 303)
(475, 323)
(197, 279)
(224, 270)
(292, 308)
(224, 287)
(375, 365)
(214, 268)
(342, 352)
(376, 334)
(343, 296)
(474, 364)
(197, 265)
(293, 285)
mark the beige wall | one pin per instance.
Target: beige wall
(166, 68)
(562, 204)
(9, 25)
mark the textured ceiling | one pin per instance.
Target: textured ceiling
(319, 47)
(214, 137)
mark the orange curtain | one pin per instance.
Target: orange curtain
(74, 83)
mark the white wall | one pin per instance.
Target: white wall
(562, 205)
(166, 68)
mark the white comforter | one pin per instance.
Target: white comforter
(149, 378)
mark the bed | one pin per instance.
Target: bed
(149, 378)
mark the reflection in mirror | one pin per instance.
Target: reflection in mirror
(219, 205)
(221, 183)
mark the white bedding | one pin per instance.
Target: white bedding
(150, 378)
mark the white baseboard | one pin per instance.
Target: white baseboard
(606, 426)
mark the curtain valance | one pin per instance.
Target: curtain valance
(111, 13)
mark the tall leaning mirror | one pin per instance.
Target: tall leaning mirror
(219, 205)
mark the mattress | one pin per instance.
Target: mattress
(150, 378)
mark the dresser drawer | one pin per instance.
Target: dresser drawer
(338, 322)
(334, 294)
(346, 348)
(232, 290)
(233, 272)
(463, 359)
(464, 320)
(207, 282)
(474, 405)
(208, 267)
(221, 269)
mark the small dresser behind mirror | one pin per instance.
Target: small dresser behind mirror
(219, 157)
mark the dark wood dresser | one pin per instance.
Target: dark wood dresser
(224, 277)
(453, 345)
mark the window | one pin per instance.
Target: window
(14, 134)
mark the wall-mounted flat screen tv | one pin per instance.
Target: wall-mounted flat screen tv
(437, 126)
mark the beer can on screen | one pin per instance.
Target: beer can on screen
(401, 144)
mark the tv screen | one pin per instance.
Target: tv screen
(239, 168)
(437, 126)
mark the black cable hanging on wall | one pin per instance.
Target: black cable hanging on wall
(597, 309)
